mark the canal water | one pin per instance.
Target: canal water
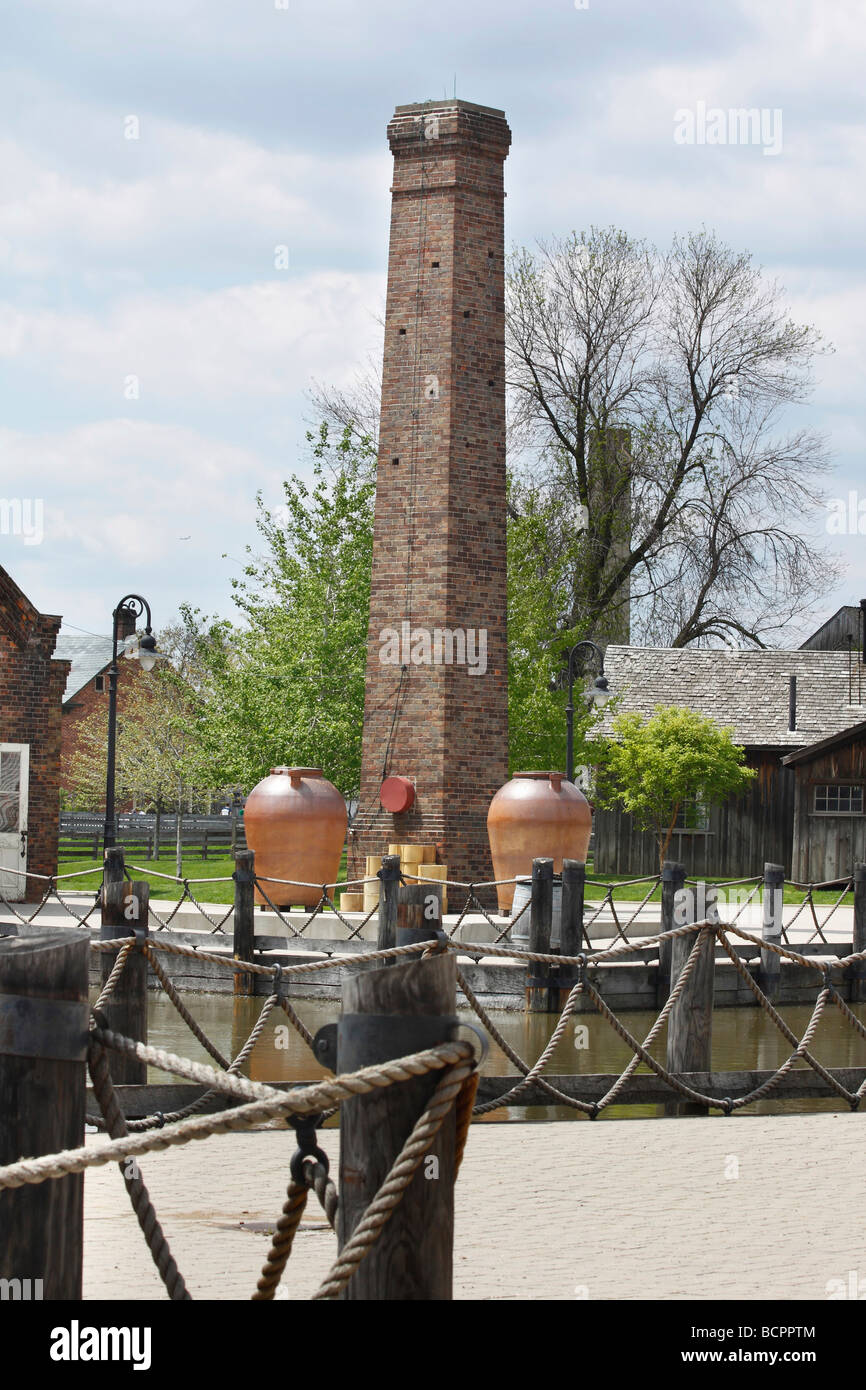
(743, 1040)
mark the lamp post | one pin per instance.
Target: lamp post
(237, 802)
(600, 694)
(143, 650)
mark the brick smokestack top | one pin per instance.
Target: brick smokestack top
(439, 540)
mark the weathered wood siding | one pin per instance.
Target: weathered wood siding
(827, 846)
(744, 833)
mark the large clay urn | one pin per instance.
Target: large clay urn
(537, 815)
(295, 822)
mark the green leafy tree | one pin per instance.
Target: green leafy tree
(538, 594)
(677, 760)
(288, 685)
(158, 761)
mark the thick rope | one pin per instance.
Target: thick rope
(117, 970)
(512, 1056)
(184, 1012)
(281, 1242)
(316, 1176)
(782, 1026)
(303, 1100)
(97, 1064)
(390, 1194)
(195, 1107)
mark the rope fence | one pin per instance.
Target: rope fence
(252, 1103)
(609, 907)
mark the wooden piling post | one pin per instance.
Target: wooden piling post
(389, 883)
(419, 912)
(771, 931)
(690, 1022)
(571, 928)
(857, 972)
(387, 1014)
(113, 867)
(540, 925)
(44, 1018)
(243, 926)
(125, 908)
(673, 883)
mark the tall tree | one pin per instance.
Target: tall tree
(287, 685)
(653, 391)
(158, 755)
(538, 609)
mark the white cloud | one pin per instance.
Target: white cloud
(179, 194)
(261, 128)
(246, 342)
(126, 490)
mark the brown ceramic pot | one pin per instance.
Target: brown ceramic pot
(534, 816)
(295, 822)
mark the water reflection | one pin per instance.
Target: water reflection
(743, 1039)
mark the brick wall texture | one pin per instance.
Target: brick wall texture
(31, 694)
(439, 558)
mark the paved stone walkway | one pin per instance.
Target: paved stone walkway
(752, 1207)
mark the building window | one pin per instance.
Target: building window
(692, 815)
(99, 685)
(833, 800)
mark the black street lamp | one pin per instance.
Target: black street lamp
(600, 694)
(142, 649)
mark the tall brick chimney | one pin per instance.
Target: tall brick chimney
(439, 576)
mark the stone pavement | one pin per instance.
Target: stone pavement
(751, 1207)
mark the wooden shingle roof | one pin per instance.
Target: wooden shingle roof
(744, 690)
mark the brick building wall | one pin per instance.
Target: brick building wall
(31, 692)
(439, 553)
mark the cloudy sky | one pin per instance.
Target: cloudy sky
(153, 153)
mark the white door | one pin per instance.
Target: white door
(14, 781)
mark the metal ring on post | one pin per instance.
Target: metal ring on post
(481, 1055)
(305, 1129)
(98, 1020)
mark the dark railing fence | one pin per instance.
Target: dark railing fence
(81, 833)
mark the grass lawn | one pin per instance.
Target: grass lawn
(214, 867)
(634, 892)
(221, 867)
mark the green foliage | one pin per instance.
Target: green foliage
(538, 595)
(158, 759)
(654, 768)
(288, 686)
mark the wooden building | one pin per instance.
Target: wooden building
(829, 806)
(845, 631)
(777, 703)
